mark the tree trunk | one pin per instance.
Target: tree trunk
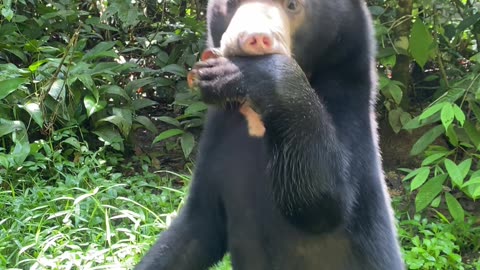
(401, 70)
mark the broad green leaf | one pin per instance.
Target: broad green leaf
(7, 12)
(35, 112)
(132, 17)
(431, 110)
(464, 167)
(9, 86)
(117, 120)
(110, 136)
(187, 141)
(73, 142)
(453, 94)
(427, 139)
(18, 53)
(420, 178)
(396, 93)
(57, 90)
(388, 61)
(421, 43)
(116, 90)
(383, 81)
(147, 123)
(454, 172)
(34, 67)
(376, 10)
(402, 44)
(412, 174)
(394, 119)
(19, 137)
(169, 120)
(405, 118)
(432, 158)
(167, 134)
(102, 49)
(475, 109)
(159, 82)
(429, 191)
(175, 69)
(10, 71)
(476, 193)
(122, 118)
(142, 103)
(196, 107)
(8, 126)
(468, 22)
(134, 85)
(476, 57)
(87, 81)
(459, 115)
(392, 90)
(436, 202)
(126, 115)
(454, 208)
(92, 105)
(473, 134)
(414, 123)
(452, 136)
(447, 115)
(472, 181)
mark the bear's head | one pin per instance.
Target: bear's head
(317, 33)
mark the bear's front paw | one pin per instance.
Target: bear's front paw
(218, 80)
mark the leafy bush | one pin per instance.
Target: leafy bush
(64, 65)
(89, 216)
(429, 54)
(427, 245)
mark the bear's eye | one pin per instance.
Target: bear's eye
(292, 5)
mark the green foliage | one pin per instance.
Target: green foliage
(440, 41)
(225, 264)
(457, 160)
(89, 68)
(192, 117)
(441, 33)
(85, 214)
(427, 245)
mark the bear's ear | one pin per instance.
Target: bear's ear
(219, 14)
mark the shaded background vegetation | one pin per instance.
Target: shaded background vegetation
(98, 129)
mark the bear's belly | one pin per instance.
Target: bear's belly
(260, 238)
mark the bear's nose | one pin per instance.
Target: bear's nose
(256, 43)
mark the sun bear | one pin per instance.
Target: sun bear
(309, 194)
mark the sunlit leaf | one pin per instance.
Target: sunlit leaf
(421, 43)
(447, 115)
(93, 105)
(454, 172)
(429, 191)
(420, 178)
(35, 112)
